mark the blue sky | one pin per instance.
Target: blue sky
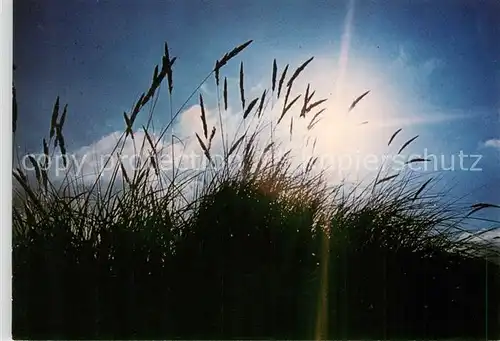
(433, 67)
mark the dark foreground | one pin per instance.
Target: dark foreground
(258, 277)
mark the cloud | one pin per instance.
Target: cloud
(492, 143)
(407, 59)
(206, 90)
(100, 160)
(423, 119)
(484, 237)
(493, 236)
(415, 73)
(258, 88)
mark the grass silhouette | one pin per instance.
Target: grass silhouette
(262, 249)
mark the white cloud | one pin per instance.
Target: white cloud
(492, 143)
(481, 237)
(422, 119)
(415, 74)
(406, 59)
(205, 89)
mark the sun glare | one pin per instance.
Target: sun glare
(344, 136)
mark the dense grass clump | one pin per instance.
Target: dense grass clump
(251, 246)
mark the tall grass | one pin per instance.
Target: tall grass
(250, 246)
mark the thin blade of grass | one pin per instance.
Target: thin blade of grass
(170, 78)
(138, 105)
(386, 179)
(315, 116)
(314, 105)
(63, 116)
(298, 71)
(275, 71)
(481, 206)
(203, 118)
(225, 93)
(311, 125)
(149, 139)
(269, 146)
(128, 124)
(233, 53)
(46, 149)
(356, 101)
(153, 164)
(212, 135)
(62, 145)
(166, 51)
(45, 177)
(282, 80)
(242, 88)
(287, 108)
(261, 104)
(418, 159)
(216, 70)
(417, 193)
(306, 100)
(262, 155)
(407, 143)
(169, 69)
(21, 178)
(376, 179)
(172, 61)
(235, 145)
(228, 56)
(163, 72)
(124, 172)
(288, 90)
(311, 163)
(394, 135)
(53, 120)
(37, 168)
(144, 173)
(249, 108)
(155, 74)
(204, 148)
(311, 95)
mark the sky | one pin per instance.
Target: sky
(432, 68)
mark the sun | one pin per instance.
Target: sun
(342, 135)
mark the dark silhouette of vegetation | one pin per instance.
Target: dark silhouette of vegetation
(263, 251)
